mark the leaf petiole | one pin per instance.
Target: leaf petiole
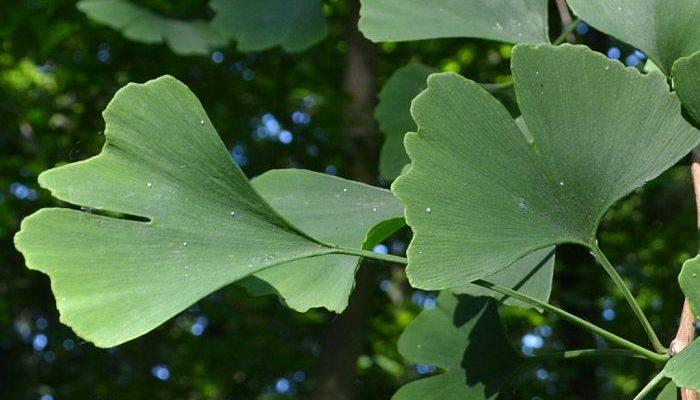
(600, 256)
(651, 355)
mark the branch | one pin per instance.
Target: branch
(566, 22)
(686, 326)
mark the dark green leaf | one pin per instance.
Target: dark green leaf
(142, 25)
(259, 25)
(464, 337)
(393, 114)
(689, 280)
(531, 275)
(686, 77)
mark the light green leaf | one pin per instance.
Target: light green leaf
(663, 29)
(479, 196)
(689, 280)
(511, 21)
(117, 278)
(141, 25)
(394, 117)
(463, 336)
(686, 77)
(684, 367)
(334, 210)
(669, 392)
(531, 275)
(259, 25)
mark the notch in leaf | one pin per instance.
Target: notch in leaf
(480, 194)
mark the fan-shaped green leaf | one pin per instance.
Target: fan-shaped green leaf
(689, 280)
(141, 25)
(463, 336)
(686, 77)
(531, 275)
(669, 392)
(480, 196)
(664, 29)
(684, 367)
(259, 25)
(115, 278)
(511, 21)
(394, 117)
(332, 209)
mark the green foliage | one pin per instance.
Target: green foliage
(683, 368)
(394, 117)
(689, 279)
(664, 29)
(480, 195)
(315, 203)
(685, 77)
(139, 24)
(167, 217)
(463, 336)
(531, 275)
(512, 21)
(258, 25)
(114, 278)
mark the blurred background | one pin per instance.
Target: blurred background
(58, 70)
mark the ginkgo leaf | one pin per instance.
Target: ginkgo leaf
(689, 280)
(141, 25)
(464, 337)
(259, 25)
(684, 367)
(332, 209)
(480, 195)
(532, 275)
(663, 29)
(394, 117)
(669, 392)
(191, 221)
(511, 21)
(686, 78)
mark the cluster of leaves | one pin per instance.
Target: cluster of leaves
(486, 195)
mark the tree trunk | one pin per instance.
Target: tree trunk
(345, 334)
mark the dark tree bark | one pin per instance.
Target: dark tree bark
(345, 334)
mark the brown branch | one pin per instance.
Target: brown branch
(686, 326)
(566, 19)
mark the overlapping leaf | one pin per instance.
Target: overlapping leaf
(464, 337)
(394, 117)
(689, 280)
(181, 219)
(686, 77)
(532, 275)
(512, 21)
(258, 25)
(332, 209)
(684, 367)
(664, 29)
(142, 25)
(480, 195)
